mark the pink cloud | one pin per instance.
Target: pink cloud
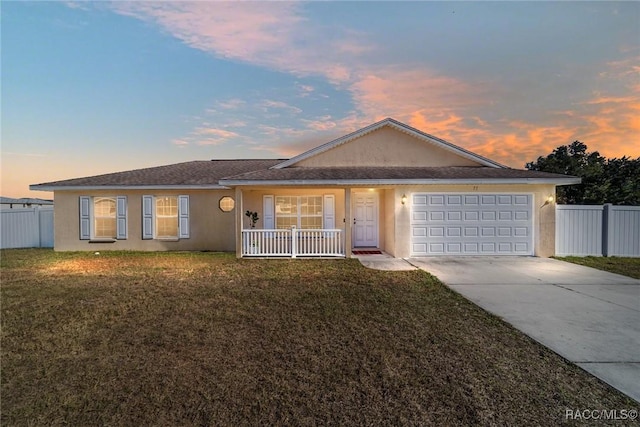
(269, 104)
(402, 91)
(611, 100)
(322, 124)
(267, 34)
(236, 124)
(276, 35)
(215, 132)
(304, 90)
(231, 104)
(180, 143)
(238, 30)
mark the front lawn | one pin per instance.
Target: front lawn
(619, 265)
(206, 339)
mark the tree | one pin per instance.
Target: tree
(624, 181)
(614, 180)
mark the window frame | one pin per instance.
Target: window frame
(164, 217)
(88, 218)
(150, 217)
(96, 217)
(227, 199)
(296, 211)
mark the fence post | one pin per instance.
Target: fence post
(39, 227)
(294, 241)
(607, 229)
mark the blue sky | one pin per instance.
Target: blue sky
(98, 87)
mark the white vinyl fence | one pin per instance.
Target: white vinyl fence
(26, 228)
(598, 230)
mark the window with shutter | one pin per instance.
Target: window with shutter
(165, 217)
(103, 218)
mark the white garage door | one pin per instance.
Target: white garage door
(471, 224)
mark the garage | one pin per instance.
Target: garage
(471, 224)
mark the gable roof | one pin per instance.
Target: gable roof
(222, 174)
(394, 124)
(195, 174)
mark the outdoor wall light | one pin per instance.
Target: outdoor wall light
(403, 200)
(550, 199)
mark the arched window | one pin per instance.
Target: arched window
(104, 213)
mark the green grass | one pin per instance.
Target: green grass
(619, 265)
(206, 339)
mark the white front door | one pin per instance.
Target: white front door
(365, 221)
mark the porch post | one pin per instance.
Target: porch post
(348, 218)
(239, 222)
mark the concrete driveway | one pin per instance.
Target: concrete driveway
(588, 316)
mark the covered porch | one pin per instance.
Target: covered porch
(314, 222)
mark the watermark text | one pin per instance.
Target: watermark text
(600, 414)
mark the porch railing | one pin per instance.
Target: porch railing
(293, 242)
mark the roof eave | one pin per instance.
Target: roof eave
(373, 182)
(45, 187)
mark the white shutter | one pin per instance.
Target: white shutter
(329, 211)
(121, 217)
(268, 212)
(147, 217)
(85, 218)
(183, 217)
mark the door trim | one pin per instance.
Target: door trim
(376, 215)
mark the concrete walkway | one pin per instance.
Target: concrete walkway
(588, 316)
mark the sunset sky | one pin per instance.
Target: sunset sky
(98, 87)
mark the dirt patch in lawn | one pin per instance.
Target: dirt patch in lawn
(206, 339)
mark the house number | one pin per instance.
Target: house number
(475, 188)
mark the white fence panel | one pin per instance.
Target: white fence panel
(623, 237)
(46, 228)
(598, 230)
(26, 228)
(578, 230)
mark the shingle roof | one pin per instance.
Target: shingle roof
(196, 173)
(222, 173)
(392, 174)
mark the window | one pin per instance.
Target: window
(165, 217)
(226, 204)
(301, 211)
(103, 218)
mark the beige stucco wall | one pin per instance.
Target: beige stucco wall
(543, 215)
(391, 204)
(214, 230)
(387, 147)
(211, 229)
